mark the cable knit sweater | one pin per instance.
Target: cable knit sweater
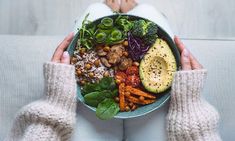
(52, 118)
(191, 118)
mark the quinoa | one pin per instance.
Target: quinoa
(90, 57)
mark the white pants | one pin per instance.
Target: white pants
(98, 10)
(150, 127)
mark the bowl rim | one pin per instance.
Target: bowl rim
(166, 93)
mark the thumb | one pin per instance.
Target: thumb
(65, 58)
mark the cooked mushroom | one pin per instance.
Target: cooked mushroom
(113, 58)
(101, 52)
(125, 63)
(118, 49)
(125, 53)
(105, 62)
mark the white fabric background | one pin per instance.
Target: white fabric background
(188, 18)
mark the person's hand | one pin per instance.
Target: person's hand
(188, 61)
(60, 55)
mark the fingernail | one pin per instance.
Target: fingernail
(71, 34)
(186, 53)
(65, 54)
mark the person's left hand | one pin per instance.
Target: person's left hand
(60, 55)
(188, 61)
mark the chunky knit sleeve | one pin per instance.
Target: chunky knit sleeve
(190, 117)
(51, 118)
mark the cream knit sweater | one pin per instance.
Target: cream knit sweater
(52, 118)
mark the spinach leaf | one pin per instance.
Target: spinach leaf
(107, 93)
(107, 83)
(94, 98)
(115, 92)
(107, 109)
(90, 87)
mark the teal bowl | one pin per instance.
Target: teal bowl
(162, 97)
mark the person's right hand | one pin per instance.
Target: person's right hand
(188, 61)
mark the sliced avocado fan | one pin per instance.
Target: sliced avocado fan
(157, 67)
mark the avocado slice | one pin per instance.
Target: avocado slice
(157, 67)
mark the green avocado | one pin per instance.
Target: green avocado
(157, 67)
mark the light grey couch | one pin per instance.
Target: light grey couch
(21, 82)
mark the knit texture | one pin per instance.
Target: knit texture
(51, 118)
(191, 118)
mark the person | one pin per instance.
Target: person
(190, 118)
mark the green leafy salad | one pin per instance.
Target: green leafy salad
(114, 64)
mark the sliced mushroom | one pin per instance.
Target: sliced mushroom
(113, 58)
(101, 52)
(105, 62)
(125, 63)
(118, 49)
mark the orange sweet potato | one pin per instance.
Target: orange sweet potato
(138, 92)
(122, 96)
(137, 101)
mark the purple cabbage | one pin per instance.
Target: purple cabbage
(136, 48)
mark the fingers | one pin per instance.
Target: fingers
(113, 4)
(185, 60)
(65, 58)
(60, 49)
(179, 44)
(188, 61)
(185, 54)
(194, 63)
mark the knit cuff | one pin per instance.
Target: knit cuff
(187, 85)
(60, 84)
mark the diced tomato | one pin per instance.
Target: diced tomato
(133, 80)
(132, 70)
(120, 77)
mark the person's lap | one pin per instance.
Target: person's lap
(95, 11)
(149, 12)
(98, 10)
(148, 127)
(88, 127)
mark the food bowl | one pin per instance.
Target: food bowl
(162, 98)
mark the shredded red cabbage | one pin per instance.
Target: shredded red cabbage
(136, 48)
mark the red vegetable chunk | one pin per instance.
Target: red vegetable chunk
(133, 81)
(132, 70)
(120, 77)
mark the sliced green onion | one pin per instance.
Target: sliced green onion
(107, 22)
(116, 35)
(100, 37)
